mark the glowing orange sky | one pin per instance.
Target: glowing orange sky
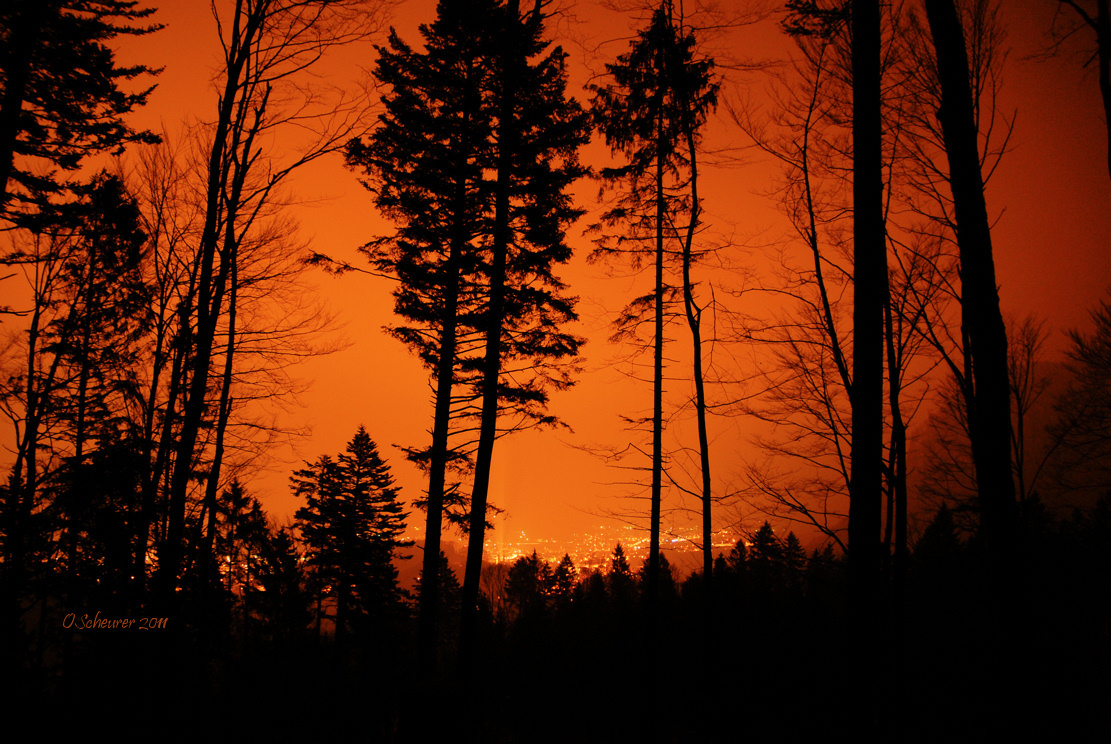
(1051, 255)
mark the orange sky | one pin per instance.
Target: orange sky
(1052, 192)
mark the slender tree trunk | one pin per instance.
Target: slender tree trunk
(869, 281)
(652, 578)
(507, 142)
(445, 379)
(988, 384)
(694, 322)
(212, 487)
(212, 275)
(1103, 40)
(433, 526)
(155, 474)
(897, 507)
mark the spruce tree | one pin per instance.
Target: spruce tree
(352, 525)
(538, 133)
(477, 197)
(424, 164)
(563, 581)
(61, 98)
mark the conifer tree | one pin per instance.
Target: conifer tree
(74, 392)
(563, 580)
(61, 100)
(538, 133)
(352, 525)
(659, 97)
(526, 585)
(424, 163)
(473, 255)
(620, 578)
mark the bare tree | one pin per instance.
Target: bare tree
(986, 389)
(1094, 16)
(266, 45)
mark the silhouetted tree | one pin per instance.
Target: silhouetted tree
(61, 100)
(869, 292)
(737, 561)
(527, 586)
(474, 254)
(659, 96)
(425, 162)
(352, 526)
(620, 580)
(696, 91)
(987, 388)
(794, 563)
(764, 564)
(281, 603)
(1095, 16)
(266, 46)
(74, 391)
(811, 393)
(537, 135)
(449, 594)
(563, 581)
(1084, 409)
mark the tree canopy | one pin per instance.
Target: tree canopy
(62, 99)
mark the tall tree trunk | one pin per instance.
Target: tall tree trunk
(897, 508)
(491, 373)
(988, 384)
(159, 458)
(212, 487)
(694, 322)
(229, 137)
(445, 379)
(652, 578)
(989, 415)
(869, 281)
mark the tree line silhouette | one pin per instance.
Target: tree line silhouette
(164, 309)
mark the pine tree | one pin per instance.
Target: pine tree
(282, 604)
(352, 525)
(765, 560)
(61, 100)
(76, 390)
(526, 586)
(794, 562)
(425, 163)
(564, 580)
(96, 341)
(538, 133)
(474, 256)
(620, 579)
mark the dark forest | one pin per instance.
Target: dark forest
(867, 489)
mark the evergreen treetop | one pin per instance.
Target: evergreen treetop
(352, 524)
(61, 98)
